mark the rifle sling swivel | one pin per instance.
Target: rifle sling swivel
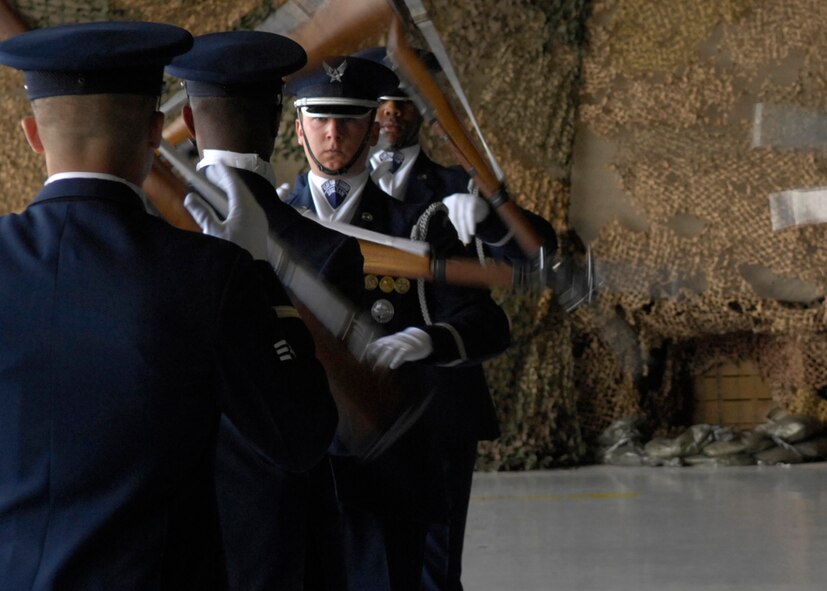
(498, 198)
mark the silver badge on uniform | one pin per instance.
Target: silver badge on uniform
(382, 311)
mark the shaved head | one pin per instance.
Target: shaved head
(96, 116)
(98, 132)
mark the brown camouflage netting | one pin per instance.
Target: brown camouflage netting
(639, 140)
(671, 87)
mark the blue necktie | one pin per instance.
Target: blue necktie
(335, 191)
(396, 159)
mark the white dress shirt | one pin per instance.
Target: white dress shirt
(59, 176)
(344, 213)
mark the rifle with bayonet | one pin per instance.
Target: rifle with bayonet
(572, 284)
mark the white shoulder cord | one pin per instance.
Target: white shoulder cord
(420, 232)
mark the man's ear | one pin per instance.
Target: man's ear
(299, 133)
(29, 125)
(186, 113)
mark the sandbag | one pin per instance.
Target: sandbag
(724, 448)
(813, 449)
(625, 455)
(623, 430)
(688, 443)
(620, 443)
(792, 428)
(778, 455)
(756, 441)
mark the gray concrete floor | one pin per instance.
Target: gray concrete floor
(622, 529)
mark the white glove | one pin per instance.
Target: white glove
(245, 224)
(393, 350)
(466, 211)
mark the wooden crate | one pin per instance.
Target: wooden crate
(731, 394)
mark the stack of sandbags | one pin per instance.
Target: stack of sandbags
(738, 450)
(783, 439)
(688, 447)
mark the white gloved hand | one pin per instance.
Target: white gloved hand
(245, 224)
(466, 211)
(393, 350)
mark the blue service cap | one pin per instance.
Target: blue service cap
(110, 57)
(342, 86)
(238, 64)
(380, 55)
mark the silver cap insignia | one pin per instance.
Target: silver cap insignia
(335, 73)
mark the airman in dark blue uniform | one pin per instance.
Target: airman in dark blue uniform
(400, 166)
(234, 85)
(387, 504)
(123, 339)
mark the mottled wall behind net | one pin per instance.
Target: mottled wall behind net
(655, 170)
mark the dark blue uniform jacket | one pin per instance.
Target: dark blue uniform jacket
(467, 328)
(122, 340)
(262, 507)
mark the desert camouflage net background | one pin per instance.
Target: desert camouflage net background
(667, 104)
(628, 121)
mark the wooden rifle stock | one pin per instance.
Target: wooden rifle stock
(166, 192)
(364, 399)
(465, 271)
(177, 131)
(455, 134)
(340, 27)
(10, 22)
